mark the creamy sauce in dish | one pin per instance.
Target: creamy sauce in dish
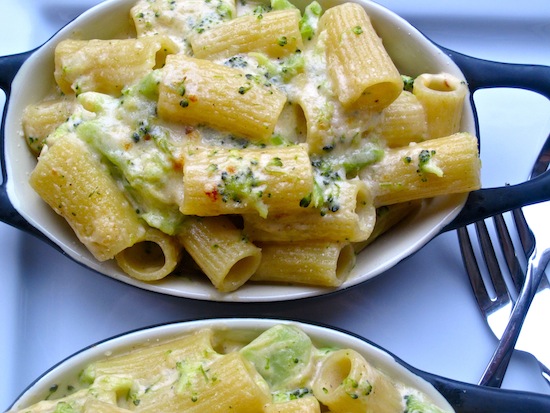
(229, 370)
(264, 103)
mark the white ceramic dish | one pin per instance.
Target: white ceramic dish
(21, 206)
(448, 395)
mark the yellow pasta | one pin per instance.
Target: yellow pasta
(404, 121)
(41, 119)
(276, 33)
(107, 66)
(306, 404)
(221, 250)
(347, 383)
(178, 20)
(442, 96)
(236, 181)
(359, 66)
(423, 170)
(245, 142)
(72, 180)
(323, 263)
(196, 91)
(152, 258)
(353, 221)
(277, 370)
(386, 218)
(96, 406)
(151, 361)
(229, 384)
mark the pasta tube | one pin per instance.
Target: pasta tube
(221, 250)
(221, 181)
(107, 66)
(361, 70)
(151, 258)
(147, 364)
(96, 406)
(423, 170)
(306, 404)
(404, 121)
(322, 263)
(276, 33)
(353, 221)
(196, 91)
(179, 19)
(41, 119)
(230, 384)
(348, 383)
(73, 181)
(386, 218)
(442, 96)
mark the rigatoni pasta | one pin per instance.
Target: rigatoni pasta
(324, 263)
(276, 33)
(221, 250)
(239, 181)
(73, 181)
(251, 143)
(442, 96)
(107, 66)
(425, 170)
(359, 66)
(195, 91)
(277, 370)
(404, 121)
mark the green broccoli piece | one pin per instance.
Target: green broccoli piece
(427, 165)
(149, 85)
(286, 69)
(291, 66)
(417, 405)
(64, 407)
(282, 355)
(359, 158)
(408, 83)
(310, 19)
(282, 5)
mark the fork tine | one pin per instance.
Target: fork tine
(505, 240)
(472, 269)
(525, 236)
(527, 240)
(491, 261)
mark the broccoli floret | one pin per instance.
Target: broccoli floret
(408, 83)
(427, 165)
(286, 69)
(417, 405)
(64, 407)
(291, 66)
(149, 85)
(359, 158)
(310, 19)
(282, 5)
(281, 355)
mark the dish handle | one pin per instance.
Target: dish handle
(484, 74)
(9, 66)
(472, 398)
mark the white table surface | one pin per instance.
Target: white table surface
(422, 310)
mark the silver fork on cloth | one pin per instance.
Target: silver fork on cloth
(504, 313)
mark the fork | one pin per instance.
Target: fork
(497, 310)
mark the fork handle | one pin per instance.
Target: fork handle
(494, 373)
(484, 74)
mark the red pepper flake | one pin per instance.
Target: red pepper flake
(213, 194)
